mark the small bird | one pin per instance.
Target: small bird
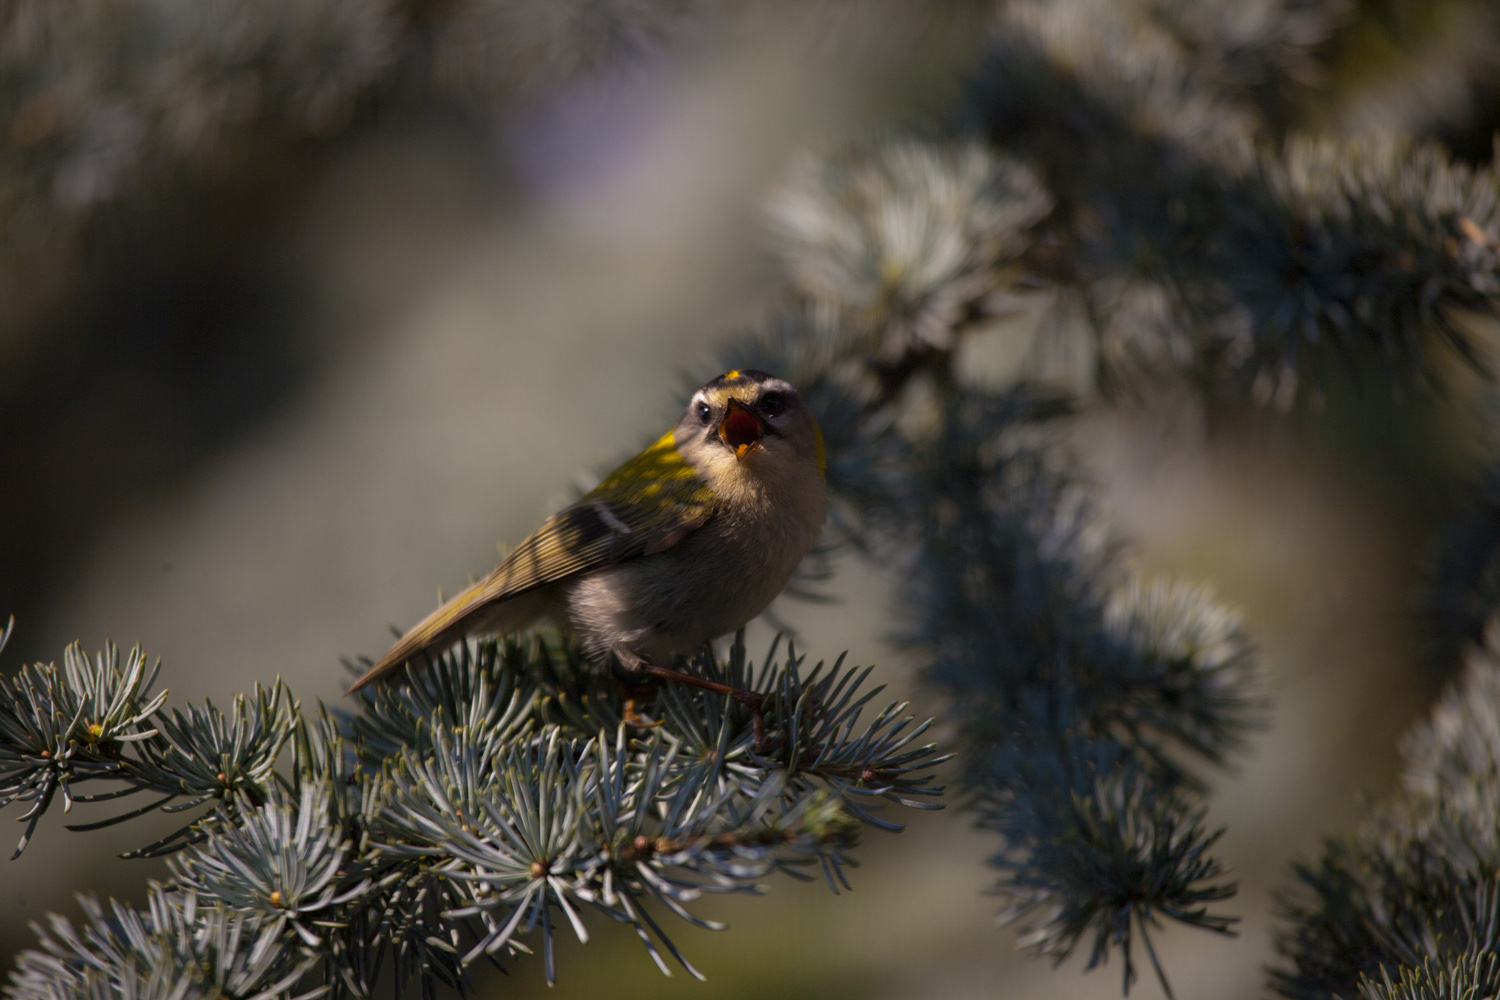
(683, 543)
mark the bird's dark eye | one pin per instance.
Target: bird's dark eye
(772, 404)
(705, 412)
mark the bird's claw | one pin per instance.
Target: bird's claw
(633, 717)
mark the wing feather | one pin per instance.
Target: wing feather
(646, 506)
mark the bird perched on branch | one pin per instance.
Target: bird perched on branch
(683, 543)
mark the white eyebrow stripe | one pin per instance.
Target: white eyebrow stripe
(608, 517)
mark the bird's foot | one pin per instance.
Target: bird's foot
(633, 694)
(633, 717)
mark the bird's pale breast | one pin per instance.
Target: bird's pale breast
(708, 585)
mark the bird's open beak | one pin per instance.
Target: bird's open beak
(740, 429)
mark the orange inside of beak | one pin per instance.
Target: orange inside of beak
(741, 429)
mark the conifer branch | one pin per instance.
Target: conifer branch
(448, 821)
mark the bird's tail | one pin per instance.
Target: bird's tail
(467, 613)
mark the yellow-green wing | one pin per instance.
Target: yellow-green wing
(645, 506)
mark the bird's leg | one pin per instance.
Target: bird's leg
(752, 700)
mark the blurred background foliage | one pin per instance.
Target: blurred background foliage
(305, 305)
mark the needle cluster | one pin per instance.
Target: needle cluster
(1408, 905)
(1195, 228)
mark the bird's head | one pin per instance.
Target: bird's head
(750, 420)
